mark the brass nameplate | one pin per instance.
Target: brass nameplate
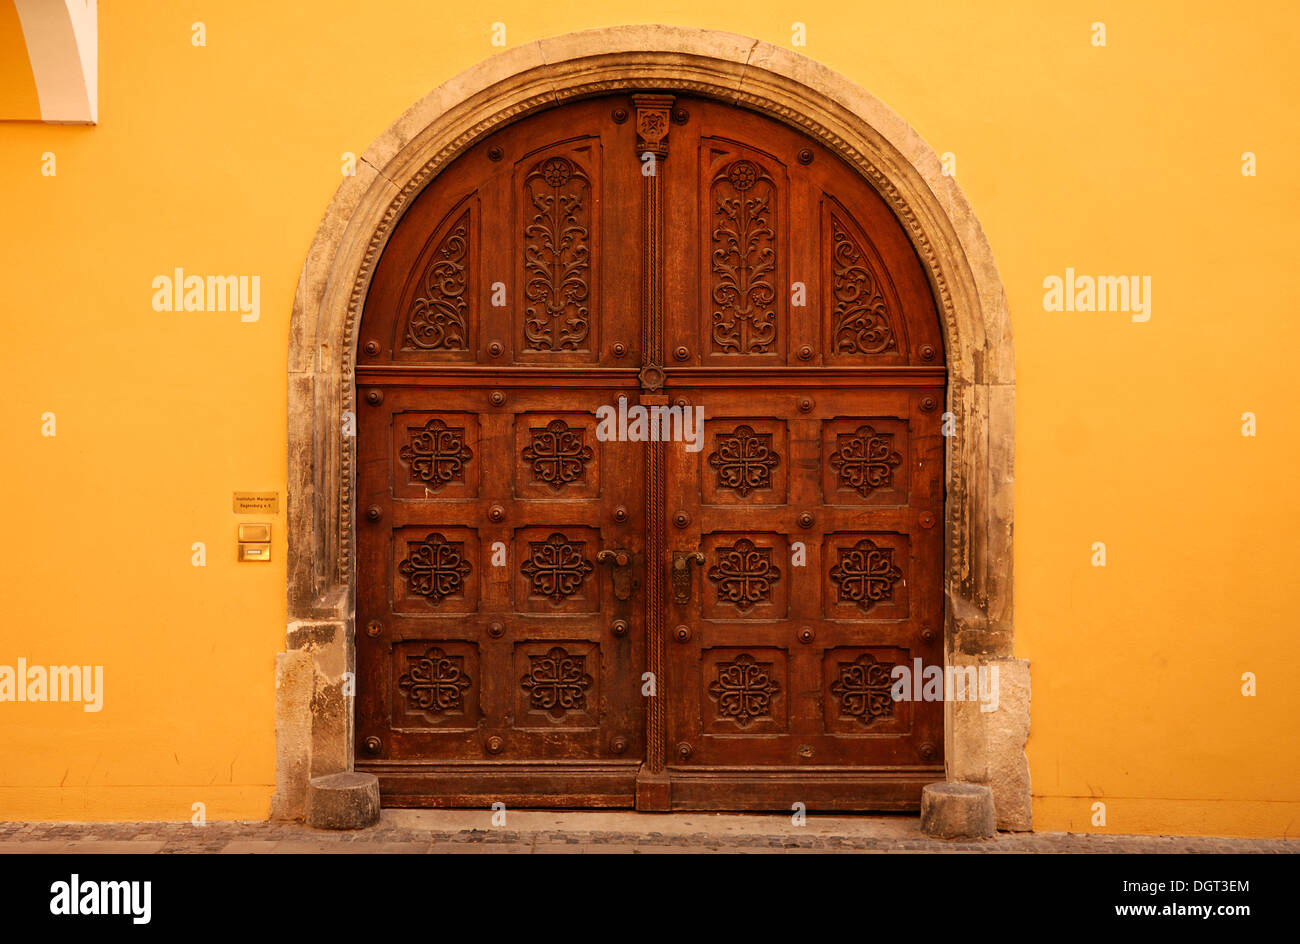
(256, 503)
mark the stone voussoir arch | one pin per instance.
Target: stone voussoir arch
(314, 721)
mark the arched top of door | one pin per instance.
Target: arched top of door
(781, 84)
(930, 207)
(535, 247)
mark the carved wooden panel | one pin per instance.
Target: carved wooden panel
(437, 311)
(863, 461)
(436, 454)
(743, 235)
(858, 685)
(434, 457)
(745, 690)
(559, 456)
(746, 575)
(864, 322)
(436, 685)
(866, 575)
(435, 570)
(557, 569)
(745, 461)
(559, 229)
(743, 290)
(557, 684)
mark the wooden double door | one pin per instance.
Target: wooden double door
(650, 474)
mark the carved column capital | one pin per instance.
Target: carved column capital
(653, 114)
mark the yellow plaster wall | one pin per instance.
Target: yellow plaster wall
(1121, 160)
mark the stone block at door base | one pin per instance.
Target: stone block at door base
(957, 811)
(343, 801)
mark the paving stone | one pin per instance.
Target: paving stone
(239, 846)
(111, 847)
(435, 831)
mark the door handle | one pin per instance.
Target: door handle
(681, 575)
(620, 565)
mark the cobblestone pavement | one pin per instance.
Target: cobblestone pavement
(470, 831)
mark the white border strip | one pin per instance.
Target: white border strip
(63, 48)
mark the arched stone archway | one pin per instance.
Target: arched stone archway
(313, 710)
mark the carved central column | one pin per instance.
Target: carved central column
(652, 120)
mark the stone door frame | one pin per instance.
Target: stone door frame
(313, 680)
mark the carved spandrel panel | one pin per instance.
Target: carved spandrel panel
(744, 461)
(866, 575)
(435, 684)
(557, 456)
(557, 683)
(743, 237)
(863, 318)
(558, 232)
(858, 687)
(866, 461)
(436, 570)
(745, 690)
(556, 570)
(439, 308)
(746, 576)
